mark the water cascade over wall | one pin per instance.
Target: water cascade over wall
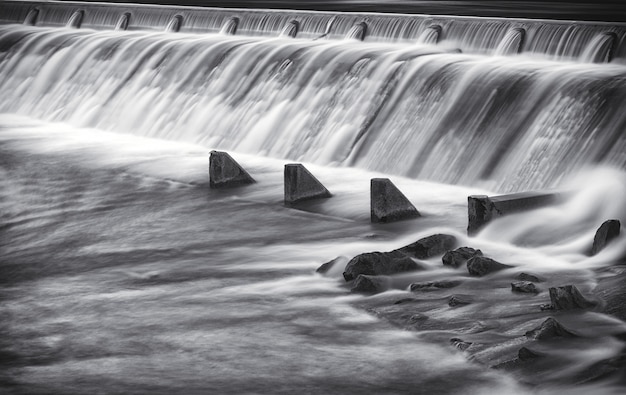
(403, 101)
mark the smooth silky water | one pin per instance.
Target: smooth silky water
(122, 272)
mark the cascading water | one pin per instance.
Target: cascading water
(451, 118)
(118, 264)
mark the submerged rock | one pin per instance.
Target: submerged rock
(481, 266)
(612, 290)
(548, 329)
(524, 287)
(460, 300)
(460, 344)
(525, 354)
(326, 267)
(569, 298)
(528, 277)
(429, 246)
(370, 284)
(460, 256)
(377, 263)
(434, 285)
(608, 231)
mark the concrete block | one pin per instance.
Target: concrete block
(301, 185)
(388, 204)
(482, 209)
(225, 172)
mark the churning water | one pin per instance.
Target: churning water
(122, 272)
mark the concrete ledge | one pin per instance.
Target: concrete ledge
(225, 172)
(482, 209)
(301, 185)
(388, 204)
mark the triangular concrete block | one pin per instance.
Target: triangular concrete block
(225, 172)
(388, 204)
(301, 185)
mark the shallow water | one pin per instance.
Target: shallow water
(122, 272)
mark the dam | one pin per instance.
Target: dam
(123, 271)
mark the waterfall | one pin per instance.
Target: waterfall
(291, 29)
(357, 32)
(512, 43)
(601, 49)
(230, 27)
(31, 18)
(122, 23)
(76, 19)
(430, 35)
(174, 24)
(510, 123)
(550, 39)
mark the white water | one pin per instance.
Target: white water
(509, 123)
(120, 266)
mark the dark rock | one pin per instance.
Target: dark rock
(459, 300)
(370, 284)
(377, 263)
(569, 298)
(405, 300)
(329, 265)
(459, 256)
(524, 354)
(608, 231)
(417, 318)
(481, 266)
(460, 344)
(524, 287)
(434, 285)
(528, 277)
(388, 204)
(430, 246)
(612, 291)
(548, 329)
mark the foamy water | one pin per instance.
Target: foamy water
(122, 270)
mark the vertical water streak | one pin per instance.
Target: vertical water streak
(357, 32)
(230, 26)
(291, 29)
(76, 19)
(123, 21)
(601, 49)
(329, 28)
(31, 18)
(431, 35)
(174, 24)
(512, 43)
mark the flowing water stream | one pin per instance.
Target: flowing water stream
(122, 272)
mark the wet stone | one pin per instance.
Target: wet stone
(528, 277)
(329, 265)
(524, 287)
(459, 300)
(379, 263)
(430, 246)
(405, 300)
(370, 284)
(548, 329)
(434, 285)
(460, 256)
(525, 354)
(460, 344)
(606, 233)
(569, 298)
(481, 266)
